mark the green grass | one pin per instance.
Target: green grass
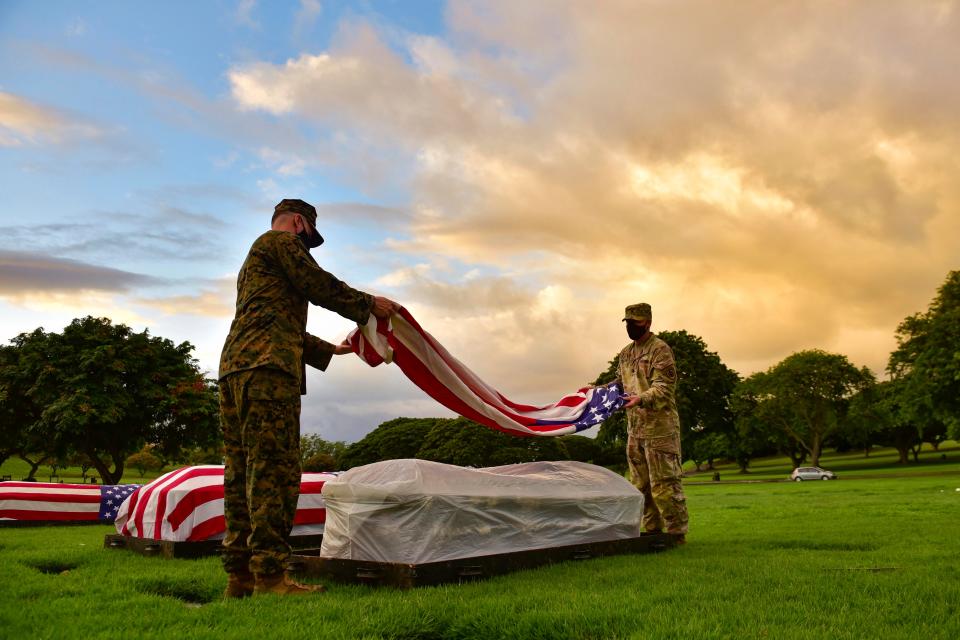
(17, 469)
(852, 464)
(874, 558)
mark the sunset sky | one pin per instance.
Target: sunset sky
(770, 176)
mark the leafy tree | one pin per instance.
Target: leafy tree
(104, 390)
(395, 439)
(326, 453)
(805, 397)
(703, 391)
(753, 429)
(927, 359)
(581, 449)
(319, 462)
(452, 441)
(144, 461)
(82, 461)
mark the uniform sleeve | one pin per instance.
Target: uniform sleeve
(319, 287)
(317, 352)
(663, 379)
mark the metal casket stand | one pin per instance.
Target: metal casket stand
(308, 563)
(169, 549)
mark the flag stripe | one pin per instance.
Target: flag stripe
(451, 383)
(30, 514)
(187, 505)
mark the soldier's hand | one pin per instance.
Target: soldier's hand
(342, 349)
(632, 401)
(384, 307)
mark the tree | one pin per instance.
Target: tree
(805, 397)
(82, 461)
(927, 359)
(704, 385)
(394, 439)
(104, 390)
(144, 461)
(753, 429)
(18, 410)
(452, 441)
(323, 453)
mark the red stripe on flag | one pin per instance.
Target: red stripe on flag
(21, 514)
(165, 491)
(207, 529)
(50, 497)
(191, 500)
(310, 516)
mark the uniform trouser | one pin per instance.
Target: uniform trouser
(657, 474)
(260, 418)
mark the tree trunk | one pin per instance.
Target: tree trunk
(904, 451)
(915, 450)
(33, 465)
(866, 451)
(815, 449)
(106, 476)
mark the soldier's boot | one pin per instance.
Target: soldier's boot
(282, 585)
(679, 538)
(239, 585)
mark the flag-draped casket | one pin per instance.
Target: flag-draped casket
(186, 505)
(416, 511)
(55, 502)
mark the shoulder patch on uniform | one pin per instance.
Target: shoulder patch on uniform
(670, 373)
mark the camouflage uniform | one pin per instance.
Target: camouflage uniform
(648, 370)
(262, 371)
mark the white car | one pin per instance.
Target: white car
(812, 473)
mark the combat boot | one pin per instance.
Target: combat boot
(239, 585)
(282, 585)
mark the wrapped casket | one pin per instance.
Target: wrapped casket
(186, 505)
(57, 503)
(417, 511)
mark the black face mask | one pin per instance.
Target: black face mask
(636, 331)
(304, 238)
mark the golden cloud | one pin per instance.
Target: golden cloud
(771, 176)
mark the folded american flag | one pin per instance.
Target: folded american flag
(186, 505)
(50, 502)
(430, 366)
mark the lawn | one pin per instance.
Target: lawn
(870, 558)
(852, 464)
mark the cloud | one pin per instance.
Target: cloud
(244, 14)
(783, 185)
(217, 301)
(306, 16)
(24, 273)
(23, 122)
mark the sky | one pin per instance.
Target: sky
(770, 177)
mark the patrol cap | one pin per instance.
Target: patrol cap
(295, 205)
(640, 311)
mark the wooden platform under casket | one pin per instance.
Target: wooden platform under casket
(307, 563)
(170, 549)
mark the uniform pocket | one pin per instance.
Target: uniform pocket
(271, 384)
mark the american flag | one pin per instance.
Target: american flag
(402, 341)
(50, 502)
(186, 505)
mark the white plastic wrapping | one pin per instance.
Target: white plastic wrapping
(416, 511)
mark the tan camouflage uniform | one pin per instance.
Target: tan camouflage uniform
(262, 371)
(648, 370)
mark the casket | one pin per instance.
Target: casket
(180, 514)
(54, 503)
(417, 511)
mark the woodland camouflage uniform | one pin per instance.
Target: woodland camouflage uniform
(647, 369)
(262, 375)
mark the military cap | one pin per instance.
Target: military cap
(639, 311)
(295, 205)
